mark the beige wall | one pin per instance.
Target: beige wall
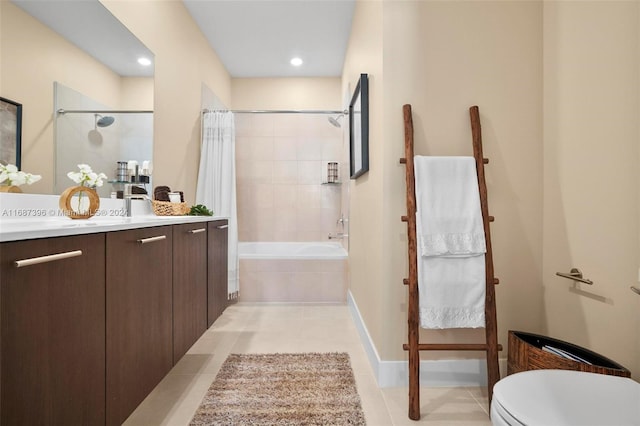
(286, 93)
(183, 61)
(591, 110)
(32, 57)
(443, 57)
(137, 93)
(557, 86)
(364, 55)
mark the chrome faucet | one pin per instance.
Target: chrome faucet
(340, 235)
(129, 195)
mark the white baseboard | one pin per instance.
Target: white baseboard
(436, 373)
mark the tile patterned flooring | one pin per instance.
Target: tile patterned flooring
(246, 328)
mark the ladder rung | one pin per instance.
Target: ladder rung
(405, 281)
(404, 218)
(403, 160)
(451, 347)
(496, 281)
(485, 161)
(491, 218)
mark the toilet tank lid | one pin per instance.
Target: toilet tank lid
(564, 397)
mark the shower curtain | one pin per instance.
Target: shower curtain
(216, 187)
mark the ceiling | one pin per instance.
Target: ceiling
(253, 38)
(258, 38)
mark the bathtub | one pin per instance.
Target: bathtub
(301, 272)
(311, 250)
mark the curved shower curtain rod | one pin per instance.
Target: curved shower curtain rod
(97, 111)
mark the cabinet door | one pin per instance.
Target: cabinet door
(53, 331)
(139, 325)
(189, 286)
(217, 269)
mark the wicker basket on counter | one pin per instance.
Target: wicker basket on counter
(166, 208)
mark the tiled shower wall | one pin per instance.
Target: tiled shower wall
(281, 168)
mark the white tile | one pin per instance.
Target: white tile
(309, 149)
(309, 172)
(285, 148)
(255, 148)
(285, 172)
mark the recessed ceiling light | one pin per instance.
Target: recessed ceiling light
(144, 61)
(296, 62)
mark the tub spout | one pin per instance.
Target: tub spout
(338, 236)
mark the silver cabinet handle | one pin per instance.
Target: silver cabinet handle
(222, 226)
(635, 289)
(196, 231)
(576, 275)
(45, 259)
(152, 239)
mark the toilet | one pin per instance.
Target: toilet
(563, 397)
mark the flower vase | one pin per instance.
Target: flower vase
(10, 188)
(79, 202)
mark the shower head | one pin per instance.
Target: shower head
(104, 121)
(335, 121)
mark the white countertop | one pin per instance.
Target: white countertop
(27, 216)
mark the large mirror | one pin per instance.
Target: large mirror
(76, 57)
(88, 132)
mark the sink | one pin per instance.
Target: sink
(71, 223)
(59, 222)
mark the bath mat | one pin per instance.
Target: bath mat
(282, 389)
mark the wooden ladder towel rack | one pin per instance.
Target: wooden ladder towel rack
(414, 347)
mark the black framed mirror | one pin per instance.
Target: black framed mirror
(10, 132)
(359, 128)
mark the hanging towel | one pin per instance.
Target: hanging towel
(451, 243)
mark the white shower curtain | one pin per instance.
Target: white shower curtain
(217, 180)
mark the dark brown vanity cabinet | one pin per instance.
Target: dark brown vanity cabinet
(90, 324)
(189, 286)
(139, 324)
(217, 269)
(53, 331)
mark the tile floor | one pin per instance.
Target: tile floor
(245, 328)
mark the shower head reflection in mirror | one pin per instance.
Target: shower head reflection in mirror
(103, 121)
(335, 121)
(95, 137)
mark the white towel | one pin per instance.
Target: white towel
(451, 243)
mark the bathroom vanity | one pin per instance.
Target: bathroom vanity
(92, 317)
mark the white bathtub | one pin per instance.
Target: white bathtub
(306, 272)
(302, 250)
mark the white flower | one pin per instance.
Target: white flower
(87, 177)
(29, 178)
(10, 175)
(17, 178)
(75, 176)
